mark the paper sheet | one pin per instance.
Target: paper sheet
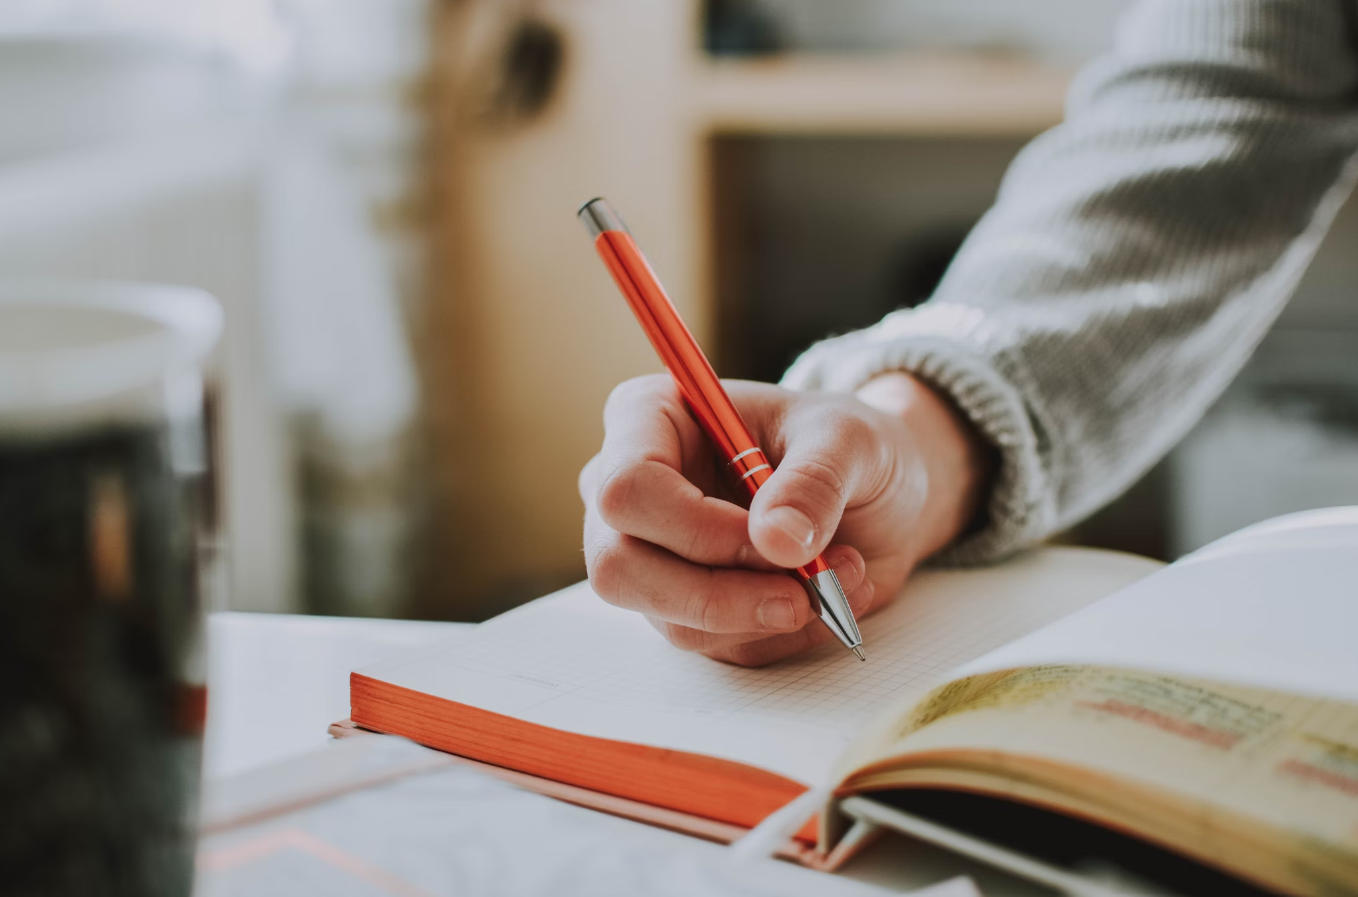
(1274, 606)
(451, 832)
(574, 663)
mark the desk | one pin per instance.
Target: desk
(276, 681)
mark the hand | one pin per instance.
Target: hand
(876, 482)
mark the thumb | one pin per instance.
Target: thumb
(796, 512)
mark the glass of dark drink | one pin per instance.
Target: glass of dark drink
(102, 492)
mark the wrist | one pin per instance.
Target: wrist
(959, 464)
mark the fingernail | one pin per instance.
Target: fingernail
(777, 613)
(796, 525)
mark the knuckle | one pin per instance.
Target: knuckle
(821, 483)
(606, 571)
(705, 544)
(707, 607)
(822, 475)
(636, 389)
(621, 394)
(617, 492)
(589, 475)
(696, 544)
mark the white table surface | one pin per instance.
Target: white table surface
(276, 681)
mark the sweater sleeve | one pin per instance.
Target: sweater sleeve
(1135, 255)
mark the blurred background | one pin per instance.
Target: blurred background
(419, 337)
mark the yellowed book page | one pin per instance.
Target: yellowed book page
(572, 662)
(1270, 607)
(1235, 758)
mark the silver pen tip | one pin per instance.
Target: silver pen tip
(859, 651)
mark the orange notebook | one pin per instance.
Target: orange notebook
(570, 691)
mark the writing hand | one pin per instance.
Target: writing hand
(876, 482)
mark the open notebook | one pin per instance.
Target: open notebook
(570, 665)
(1208, 709)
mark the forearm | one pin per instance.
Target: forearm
(1135, 255)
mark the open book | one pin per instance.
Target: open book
(1210, 707)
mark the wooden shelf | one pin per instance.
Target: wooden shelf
(925, 93)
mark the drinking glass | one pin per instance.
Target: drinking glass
(102, 495)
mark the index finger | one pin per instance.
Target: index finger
(640, 488)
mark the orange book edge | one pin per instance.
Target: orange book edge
(719, 800)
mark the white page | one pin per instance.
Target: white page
(574, 663)
(1273, 606)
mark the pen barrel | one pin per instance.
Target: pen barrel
(698, 383)
(703, 393)
(674, 343)
(751, 468)
(813, 569)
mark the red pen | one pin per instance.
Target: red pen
(705, 397)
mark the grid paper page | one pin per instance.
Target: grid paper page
(572, 662)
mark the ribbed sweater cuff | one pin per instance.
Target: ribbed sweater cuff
(951, 347)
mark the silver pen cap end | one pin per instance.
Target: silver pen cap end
(598, 216)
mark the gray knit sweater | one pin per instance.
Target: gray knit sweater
(1136, 254)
